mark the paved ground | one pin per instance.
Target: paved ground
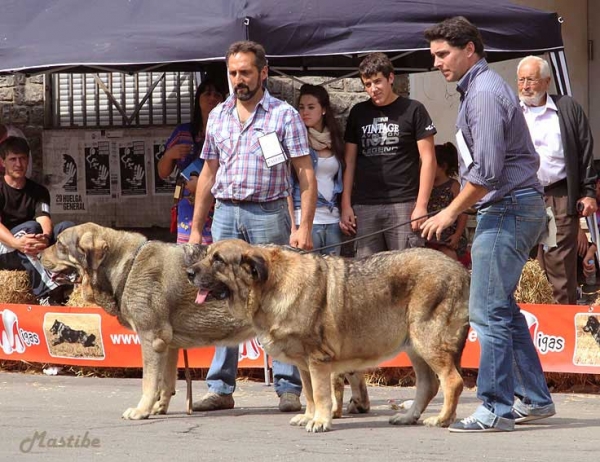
(89, 409)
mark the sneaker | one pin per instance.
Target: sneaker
(472, 425)
(289, 402)
(214, 402)
(521, 417)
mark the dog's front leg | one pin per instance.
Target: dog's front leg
(320, 377)
(154, 360)
(167, 380)
(302, 419)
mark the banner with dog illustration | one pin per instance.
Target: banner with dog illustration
(567, 339)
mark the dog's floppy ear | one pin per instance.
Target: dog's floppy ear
(256, 265)
(94, 249)
(193, 253)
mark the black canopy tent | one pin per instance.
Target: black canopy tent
(302, 37)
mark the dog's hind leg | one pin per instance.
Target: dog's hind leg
(154, 356)
(452, 386)
(427, 387)
(166, 384)
(359, 402)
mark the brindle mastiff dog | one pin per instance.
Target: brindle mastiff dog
(143, 283)
(329, 314)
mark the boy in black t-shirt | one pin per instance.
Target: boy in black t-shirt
(25, 224)
(390, 163)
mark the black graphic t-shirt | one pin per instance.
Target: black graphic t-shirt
(387, 165)
(20, 205)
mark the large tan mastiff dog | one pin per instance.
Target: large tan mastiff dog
(144, 284)
(329, 314)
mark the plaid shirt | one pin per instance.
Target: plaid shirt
(243, 173)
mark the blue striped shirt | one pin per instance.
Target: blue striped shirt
(243, 173)
(495, 131)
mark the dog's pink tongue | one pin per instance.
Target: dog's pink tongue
(201, 297)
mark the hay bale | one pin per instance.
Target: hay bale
(15, 287)
(76, 298)
(534, 286)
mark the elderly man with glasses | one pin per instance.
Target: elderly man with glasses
(562, 137)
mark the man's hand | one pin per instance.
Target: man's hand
(195, 237)
(433, 227)
(589, 205)
(31, 244)
(301, 238)
(418, 212)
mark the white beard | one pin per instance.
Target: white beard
(533, 100)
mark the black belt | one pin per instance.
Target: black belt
(245, 201)
(558, 184)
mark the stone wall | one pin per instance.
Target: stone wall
(22, 105)
(343, 93)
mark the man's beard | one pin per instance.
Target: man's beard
(533, 100)
(248, 95)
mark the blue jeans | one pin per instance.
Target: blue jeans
(326, 235)
(256, 223)
(509, 365)
(40, 281)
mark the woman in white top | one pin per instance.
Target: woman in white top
(327, 154)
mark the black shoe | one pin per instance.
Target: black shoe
(472, 425)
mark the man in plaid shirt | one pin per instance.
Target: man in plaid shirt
(249, 179)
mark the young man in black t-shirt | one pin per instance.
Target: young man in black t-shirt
(390, 163)
(25, 224)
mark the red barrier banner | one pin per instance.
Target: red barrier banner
(567, 338)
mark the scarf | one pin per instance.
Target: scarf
(319, 140)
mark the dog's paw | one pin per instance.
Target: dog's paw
(300, 420)
(133, 413)
(357, 407)
(337, 412)
(436, 421)
(403, 419)
(159, 408)
(318, 426)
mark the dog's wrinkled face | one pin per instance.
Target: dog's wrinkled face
(592, 326)
(231, 265)
(76, 256)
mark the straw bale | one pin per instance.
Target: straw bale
(15, 288)
(534, 286)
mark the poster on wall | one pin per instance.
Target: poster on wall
(166, 186)
(97, 168)
(63, 176)
(132, 166)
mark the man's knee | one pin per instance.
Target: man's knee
(28, 227)
(60, 227)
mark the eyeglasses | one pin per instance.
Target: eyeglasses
(524, 80)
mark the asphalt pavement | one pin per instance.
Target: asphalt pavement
(38, 411)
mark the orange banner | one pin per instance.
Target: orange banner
(567, 339)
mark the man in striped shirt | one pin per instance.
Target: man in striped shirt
(499, 175)
(249, 139)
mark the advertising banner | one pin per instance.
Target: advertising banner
(567, 339)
